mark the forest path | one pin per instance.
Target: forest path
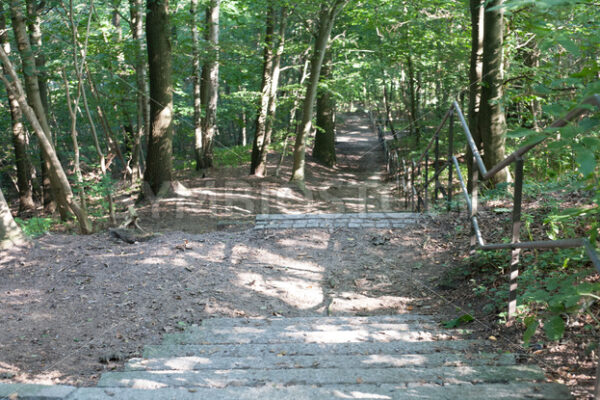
(229, 199)
(333, 300)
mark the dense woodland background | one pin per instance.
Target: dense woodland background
(98, 95)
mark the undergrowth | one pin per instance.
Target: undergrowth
(556, 286)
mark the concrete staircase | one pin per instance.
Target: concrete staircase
(382, 357)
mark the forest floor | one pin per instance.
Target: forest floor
(75, 306)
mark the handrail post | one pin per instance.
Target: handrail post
(516, 233)
(450, 154)
(435, 167)
(597, 385)
(425, 197)
(404, 182)
(412, 185)
(474, 202)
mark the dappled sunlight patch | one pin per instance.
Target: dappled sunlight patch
(296, 243)
(142, 384)
(299, 293)
(355, 394)
(265, 257)
(186, 363)
(396, 361)
(350, 302)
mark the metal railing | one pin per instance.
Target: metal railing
(417, 195)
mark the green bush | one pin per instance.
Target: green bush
(36, 226)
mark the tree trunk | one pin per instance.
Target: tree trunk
(34, 25)
(327, 17)
(388, 106)
(532, 61)
(492, 120)
(244, 128)
(196, 77)
(58, 177)
(274, 87)
(477, 11)
(324, 149)
(293, 116)
(111, 141)
(10, 233)
(19, 136)
(211, 84)
(414, 101)
(258, 146)
(73, 104)
(160, 142)
(34, 97)
(137, 30)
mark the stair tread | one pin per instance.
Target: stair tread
(320, 376)
(259, 349)
(547, 391)
(324, 361)
(303, 334)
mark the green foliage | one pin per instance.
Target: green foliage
(36, 226)
(456, 322)
(233, 156)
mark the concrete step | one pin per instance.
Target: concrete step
(321, 376)
(369, 216)
(321, 361)
(511, 391)
(304, 334)
(347, 220)
(308, 349)
(316, 321)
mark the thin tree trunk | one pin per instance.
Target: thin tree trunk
(258, 145)
(388, 106)
(137, 31)
(477, 11)
(34, 24)
(121, 102)
(108, 134)
(326, 19)
(244, 128)
(211, 84)
(73, 105)
(414, 117)
(101, 158)
(262, 164)
(19, 136)
(196, 77)
(160, 142)
(324, 149)
(292, 116)
(492, 119)
(532, 60)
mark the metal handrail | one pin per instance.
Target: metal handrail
(480, 172)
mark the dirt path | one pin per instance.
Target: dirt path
(229, 198)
